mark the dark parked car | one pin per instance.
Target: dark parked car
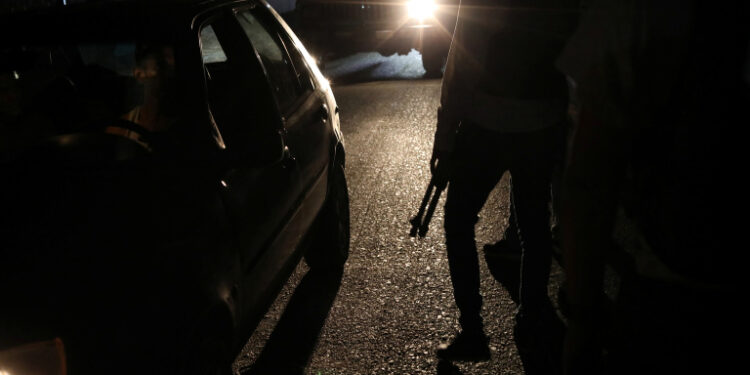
(335, 27)
(165, 166)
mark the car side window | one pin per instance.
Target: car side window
(219, 76)
(210, 47)
(304, 76)
(282, 74)
(235, 85)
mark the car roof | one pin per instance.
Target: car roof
(104, 19)
(25, 6)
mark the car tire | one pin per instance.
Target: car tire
(330, 244)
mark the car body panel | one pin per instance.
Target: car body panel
(197, 234)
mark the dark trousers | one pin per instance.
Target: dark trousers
(482, 158)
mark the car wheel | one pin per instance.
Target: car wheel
(330, 245)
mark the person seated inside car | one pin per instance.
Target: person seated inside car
(154, 70)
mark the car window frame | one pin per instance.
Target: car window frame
(199, 22)
(234, 49)
(269, 21)
(298, 57)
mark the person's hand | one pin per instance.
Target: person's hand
(441, 166)
(441, 162)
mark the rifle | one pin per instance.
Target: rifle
(440, 168)
(421, 222)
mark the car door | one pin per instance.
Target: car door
(304, 113)
(260, 196)
(253, 88)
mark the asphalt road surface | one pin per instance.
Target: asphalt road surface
(393, 305)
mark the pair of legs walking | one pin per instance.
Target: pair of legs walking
(483, 157)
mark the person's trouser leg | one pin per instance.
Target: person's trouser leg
(531, 197)
(467, 192)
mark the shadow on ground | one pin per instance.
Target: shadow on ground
(446, 368)
(288, 350)
(507, 271)
(540, 343)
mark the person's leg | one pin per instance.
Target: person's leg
(469, 187)
(538, 332)
(467, 193)
(511, 231)
(560, 155)
(531, 197)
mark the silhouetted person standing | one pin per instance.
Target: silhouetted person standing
(663, 89)
(502, 103)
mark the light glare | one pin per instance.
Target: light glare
(421, 9)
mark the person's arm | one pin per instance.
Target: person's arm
(452, 102)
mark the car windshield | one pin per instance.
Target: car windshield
(48, 90)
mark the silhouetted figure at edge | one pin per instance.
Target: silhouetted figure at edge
(502, 104)
(663, 89)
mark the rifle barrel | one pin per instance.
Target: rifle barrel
(416, 221)
(430, 211)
